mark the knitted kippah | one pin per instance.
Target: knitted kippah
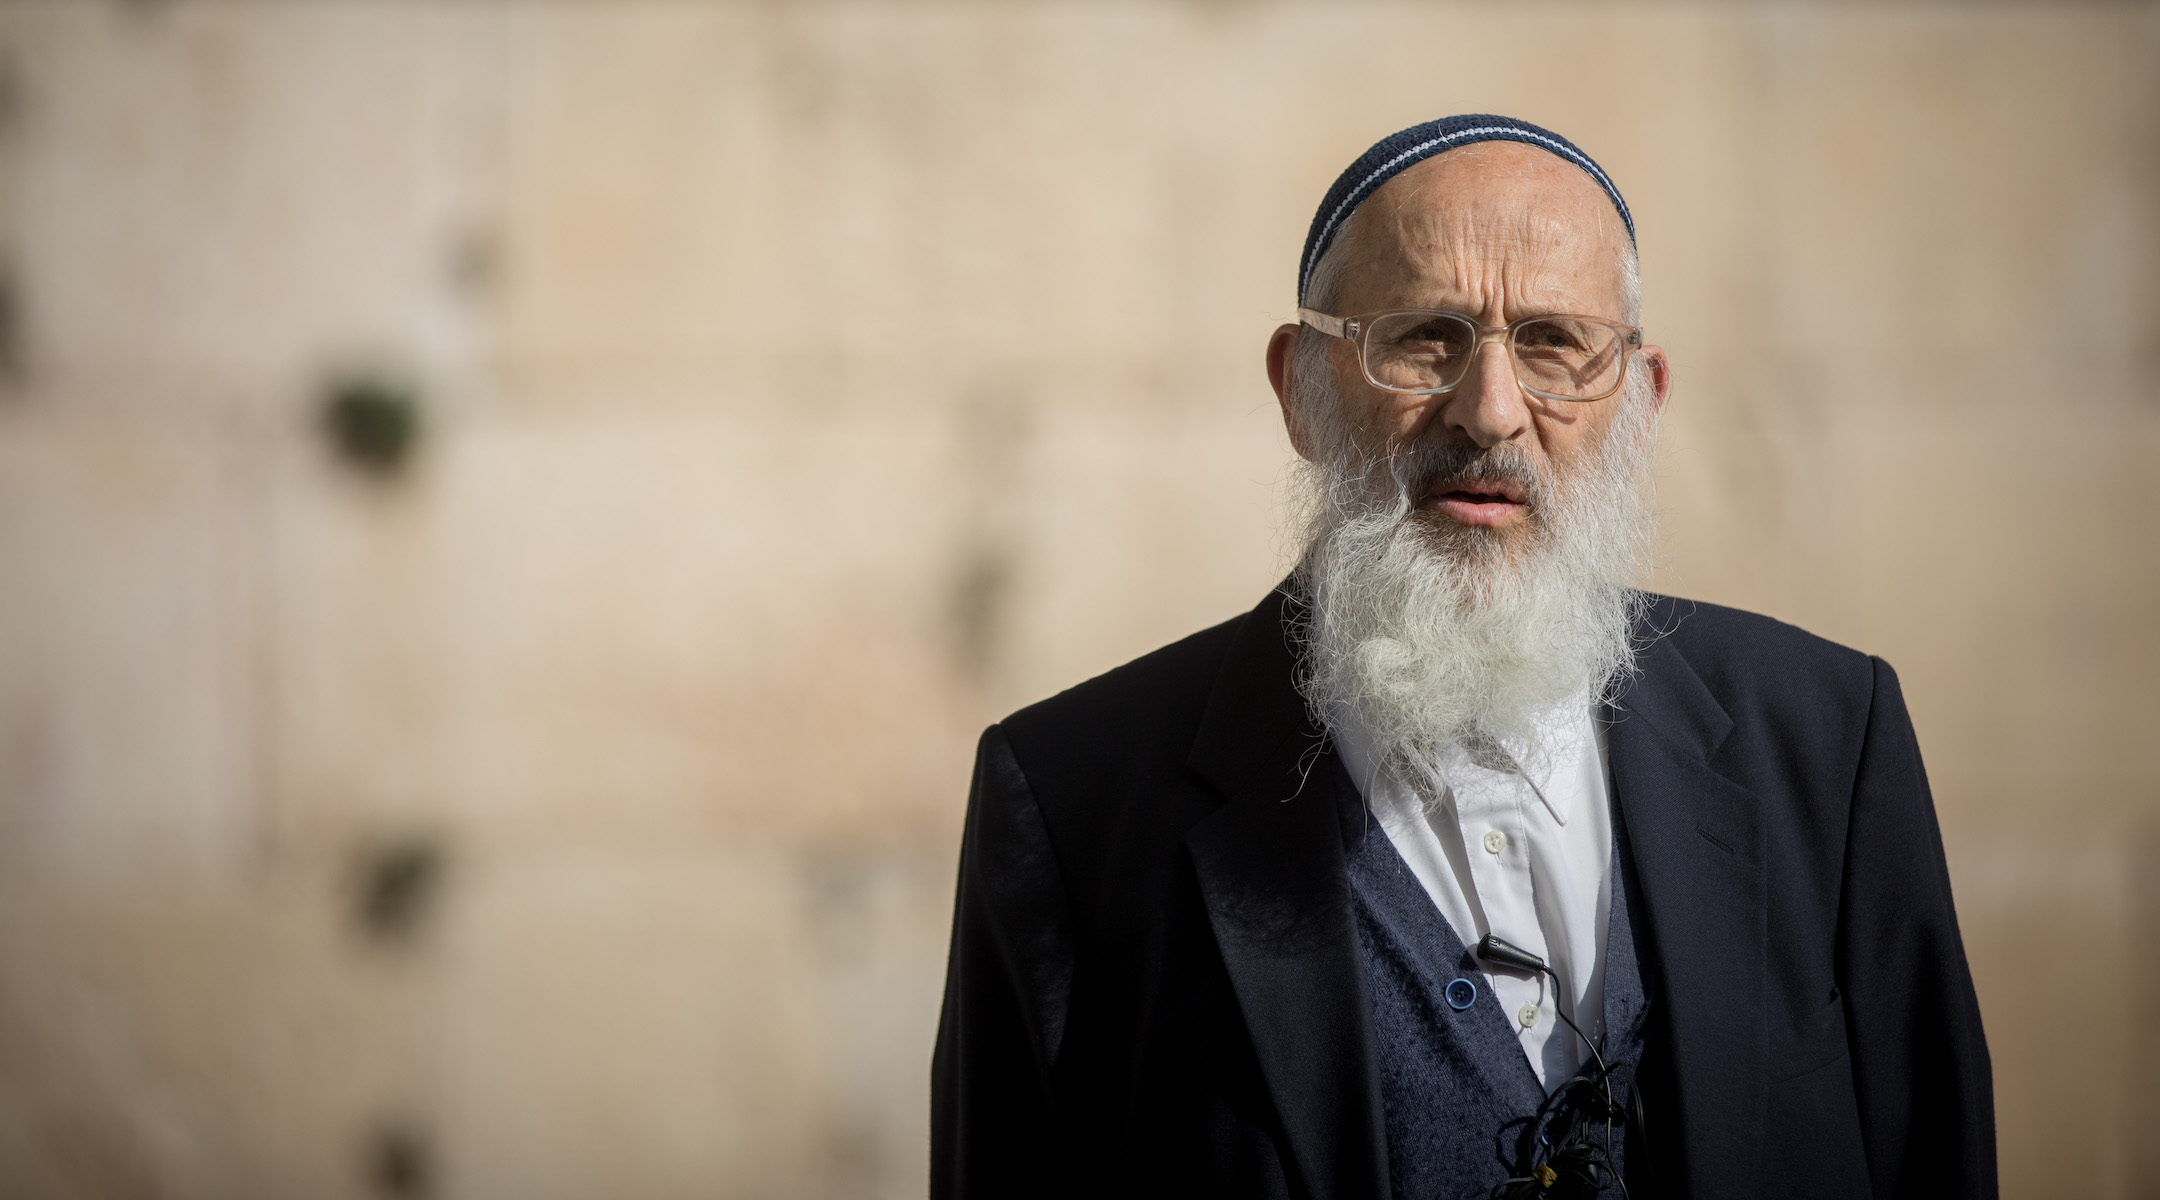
(1396, 153)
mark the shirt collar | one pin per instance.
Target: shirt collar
(1569, 733)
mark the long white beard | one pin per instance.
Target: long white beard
(1429, 632)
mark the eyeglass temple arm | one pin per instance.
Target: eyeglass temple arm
(1332, 326)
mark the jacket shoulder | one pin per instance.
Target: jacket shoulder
(1154, 700)
(1734, 644)
(1105, 763)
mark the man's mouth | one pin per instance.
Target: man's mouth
(1480, 501)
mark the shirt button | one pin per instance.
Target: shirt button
(1528, 1015)
(1495, 842)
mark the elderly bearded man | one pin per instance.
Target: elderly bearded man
(1458, 867)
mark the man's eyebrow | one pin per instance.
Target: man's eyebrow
(1512, 312)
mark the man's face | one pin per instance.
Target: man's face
(1497, 231)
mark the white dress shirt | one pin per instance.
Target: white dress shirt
(1526, 856)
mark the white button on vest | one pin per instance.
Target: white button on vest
(1528, 1015)
(1495, 842)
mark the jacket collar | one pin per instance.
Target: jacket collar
(1270, 867)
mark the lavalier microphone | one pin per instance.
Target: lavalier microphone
(1496, 949)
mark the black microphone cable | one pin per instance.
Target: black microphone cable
(1575, 1160)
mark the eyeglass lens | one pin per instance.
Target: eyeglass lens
(1563, 357)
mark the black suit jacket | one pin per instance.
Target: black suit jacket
(1154, 985)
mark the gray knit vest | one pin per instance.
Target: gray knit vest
(1455, 1084)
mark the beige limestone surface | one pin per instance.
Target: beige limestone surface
(805, 385)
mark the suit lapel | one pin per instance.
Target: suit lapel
(1697, 842)
(1270, 866)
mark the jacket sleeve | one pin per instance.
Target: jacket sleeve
(1919, 1057)
(1008, 982)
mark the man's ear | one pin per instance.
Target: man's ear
(1279, 349)
(1660, 375)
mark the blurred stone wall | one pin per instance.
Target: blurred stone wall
(567, 807)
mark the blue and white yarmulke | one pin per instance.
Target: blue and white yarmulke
(1396, 153)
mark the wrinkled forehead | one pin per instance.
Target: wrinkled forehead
(1496, 222)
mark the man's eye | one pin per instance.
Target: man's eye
(1553, 337)
(1433, 338)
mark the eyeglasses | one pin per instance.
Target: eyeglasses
(1421, 351)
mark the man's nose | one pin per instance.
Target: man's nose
(1488, 406)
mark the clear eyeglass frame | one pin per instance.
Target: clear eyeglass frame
(1357, 330)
